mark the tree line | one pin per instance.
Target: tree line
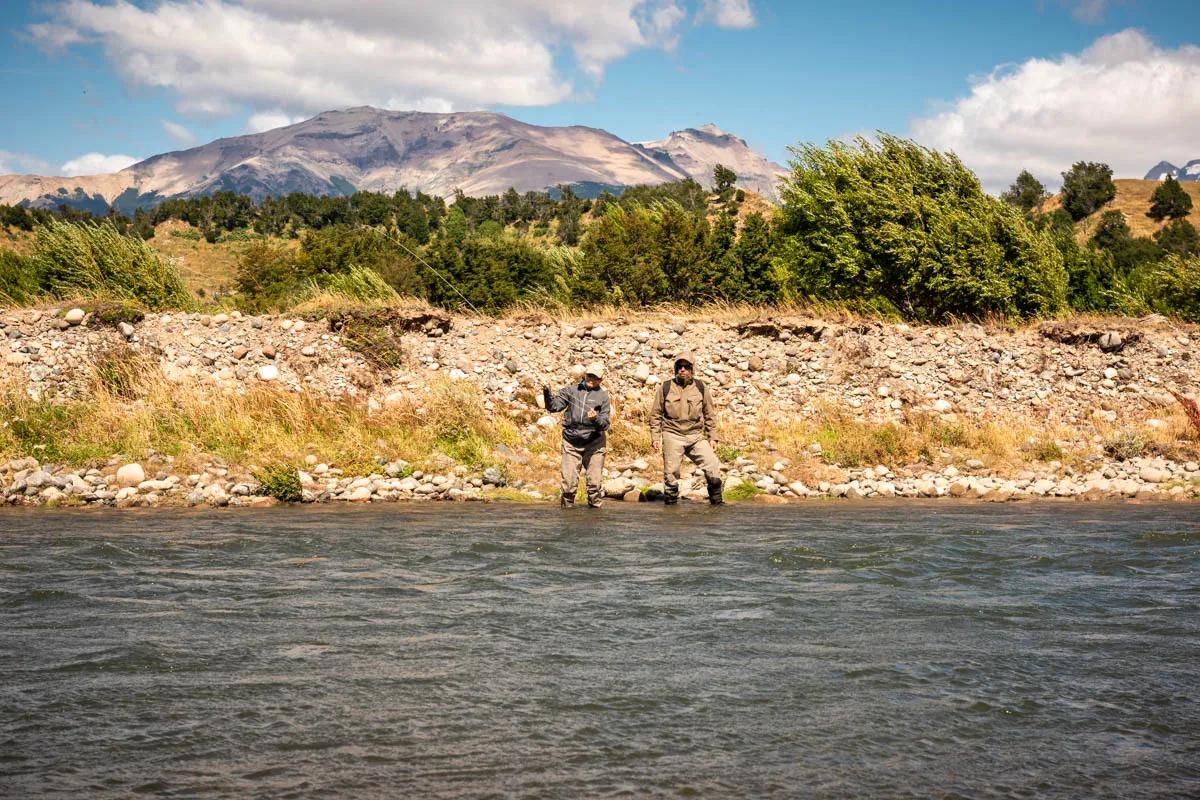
(882, 226)
(1111, 269)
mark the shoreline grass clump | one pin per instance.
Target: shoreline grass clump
(282, 482)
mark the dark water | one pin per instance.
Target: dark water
(879, 650)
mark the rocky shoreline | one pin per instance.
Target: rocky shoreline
(1077, 379)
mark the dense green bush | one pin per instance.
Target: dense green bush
(18, 281)
(895, 225)
(491, 273)
(1179, 237)
(1026, 193)
(1086, 187)
(1169, 201)
(94, 258)
(1174, 288)
(281, 482)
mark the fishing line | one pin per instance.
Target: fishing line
(428, 266)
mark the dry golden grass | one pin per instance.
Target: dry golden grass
(135, 409)
(1133, 200)
(712, 311)
(204, 266)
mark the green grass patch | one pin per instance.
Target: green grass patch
(743, 491)
(280, 481)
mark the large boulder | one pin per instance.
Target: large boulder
(130, 475)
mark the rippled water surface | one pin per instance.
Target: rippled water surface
(466, 650)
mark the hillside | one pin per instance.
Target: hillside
(1133, 200)
(369, 149)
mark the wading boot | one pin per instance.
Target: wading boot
(671, 495)
(714, 492)
(566, 502)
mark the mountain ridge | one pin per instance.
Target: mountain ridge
(1188, 172)
(370, 149)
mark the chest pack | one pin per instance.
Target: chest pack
(666, 389)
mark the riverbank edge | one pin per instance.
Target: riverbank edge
(32, 486)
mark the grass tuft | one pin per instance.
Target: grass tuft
(280, 481)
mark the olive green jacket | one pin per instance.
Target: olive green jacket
(683, 411)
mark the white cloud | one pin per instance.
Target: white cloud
(727, 13)
(268, 120)
(1123, 101)
(96, 164)
(299, 57)
(21, 164)
(1091, 11)
(178, 132)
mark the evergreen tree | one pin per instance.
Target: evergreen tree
(723, 180)
(1178, 237)
(1026, 193)
(1086, 187)
(753, 256)
(1169, 201)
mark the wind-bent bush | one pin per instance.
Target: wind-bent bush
(1175, 288)
(93, 258)
(18, 281)
(894, 225)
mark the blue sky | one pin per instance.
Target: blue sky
(1007, 85)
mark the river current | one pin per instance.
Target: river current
(827, 650)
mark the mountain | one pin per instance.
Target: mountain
(698, 150)
(339, 152)
(1188, 172)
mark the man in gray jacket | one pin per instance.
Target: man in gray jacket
(584, 433)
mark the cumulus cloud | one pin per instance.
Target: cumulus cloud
(1123, 101)
(727, 13)
(96, 164)
(299, 57)
(21, 164)
(269, 120)
(178, 132)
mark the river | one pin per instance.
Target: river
(881, 649)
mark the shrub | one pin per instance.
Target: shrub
(1126, 446)
(114, 312)
(268, 274)
(281, 482)
(1046, 450)
(895, 225)
(1179, 237)
(93, 258)
(1026, 193)
(1086, 187)
(361, 284)
(1174, 287)
(18, 281)
(1169, 201)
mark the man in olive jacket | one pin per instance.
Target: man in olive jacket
(682, 422)
(584, 433)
